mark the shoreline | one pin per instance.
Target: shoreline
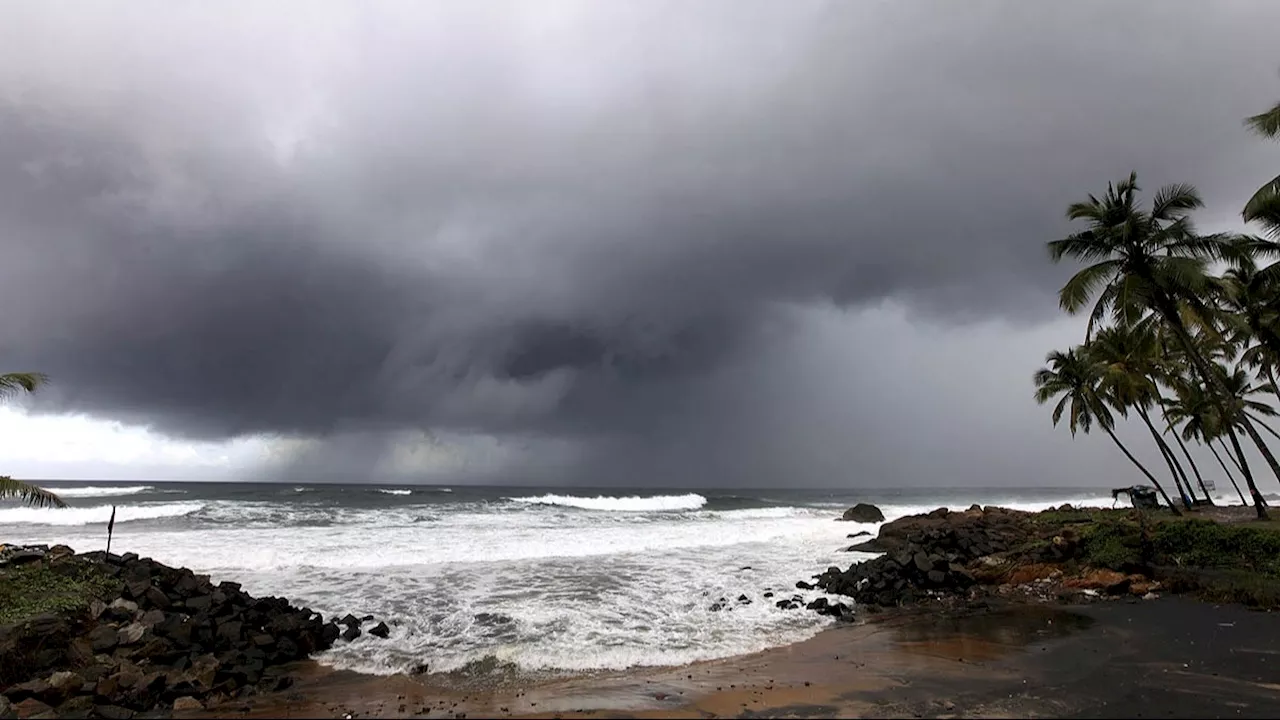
(1173, 657)
(984, 612)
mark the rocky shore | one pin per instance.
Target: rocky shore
(1068, 555)
(95, 635)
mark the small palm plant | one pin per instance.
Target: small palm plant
(11, 383)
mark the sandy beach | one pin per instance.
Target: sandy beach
(1170, 657)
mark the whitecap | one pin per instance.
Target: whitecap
(95, 515)
(633, 503)
(101, 491)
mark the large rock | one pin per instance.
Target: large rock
(863, 513)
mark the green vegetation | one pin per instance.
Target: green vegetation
(1264, 207)
(1220, 562)
(25, 492)
(1186, 352)
(35, 589)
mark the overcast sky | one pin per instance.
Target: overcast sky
(644, 243)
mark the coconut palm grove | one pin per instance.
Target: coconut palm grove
(1183, 332)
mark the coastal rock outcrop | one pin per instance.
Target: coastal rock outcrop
(863, 513)
(153, 637)
(926, 554)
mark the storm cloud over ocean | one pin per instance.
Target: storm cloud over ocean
(601, 243)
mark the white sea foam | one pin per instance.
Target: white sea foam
(392, 491)
(101, 491)
(98, 515)
(633, 503)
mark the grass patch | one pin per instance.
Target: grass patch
(1080, 516)
(36, 589)
(1208, 544)
(1219, 562)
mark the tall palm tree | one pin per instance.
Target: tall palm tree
(1172, 371)
(1191, 408)
(11, 383)
(1126, 361)
(1074, 377)
(1242, 408)
(1147, 261)
(1264, 207)
(1250, 306)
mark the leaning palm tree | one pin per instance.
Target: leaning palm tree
(1192, 409)
(1073, 378)
(1264, 207)
(11, 383)
(1249, 307)
(1126, 358)
(1148, 261)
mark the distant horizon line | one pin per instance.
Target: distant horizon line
(401, 484)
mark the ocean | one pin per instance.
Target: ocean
(528, 580)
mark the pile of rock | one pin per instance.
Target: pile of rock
(165, 637)
(927, 554)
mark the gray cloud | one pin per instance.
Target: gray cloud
(569, 223)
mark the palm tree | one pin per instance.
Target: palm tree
(1199, 422)
(1126, 360)
(1264, 206)
(1250, 312)
(1148, 262)
(11, 383)
(1075, 378)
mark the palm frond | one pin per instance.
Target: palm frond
(15, 382)
(1264, 207)
(28, 493)
(1266, 124)
(1076, 293)
(1174, 201)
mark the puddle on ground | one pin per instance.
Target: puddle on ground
(988, 635)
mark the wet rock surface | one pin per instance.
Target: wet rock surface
(863, 513)
(980, 552)
(159, 639)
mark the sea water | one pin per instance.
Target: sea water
(535, 579)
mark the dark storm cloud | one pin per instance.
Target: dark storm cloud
(560, 221)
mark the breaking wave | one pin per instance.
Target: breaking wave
(99, 514)
(633, 503)
(101, 491)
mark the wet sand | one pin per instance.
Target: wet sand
(1170, 657)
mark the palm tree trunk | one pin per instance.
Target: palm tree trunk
(1262, 445)
(1164, 452)
(1271, 376)
(1230, 477)
(1264, 425)
(1169, 313)
(1144, 470)
(1194, 468)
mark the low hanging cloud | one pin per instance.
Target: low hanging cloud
(568, 223)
